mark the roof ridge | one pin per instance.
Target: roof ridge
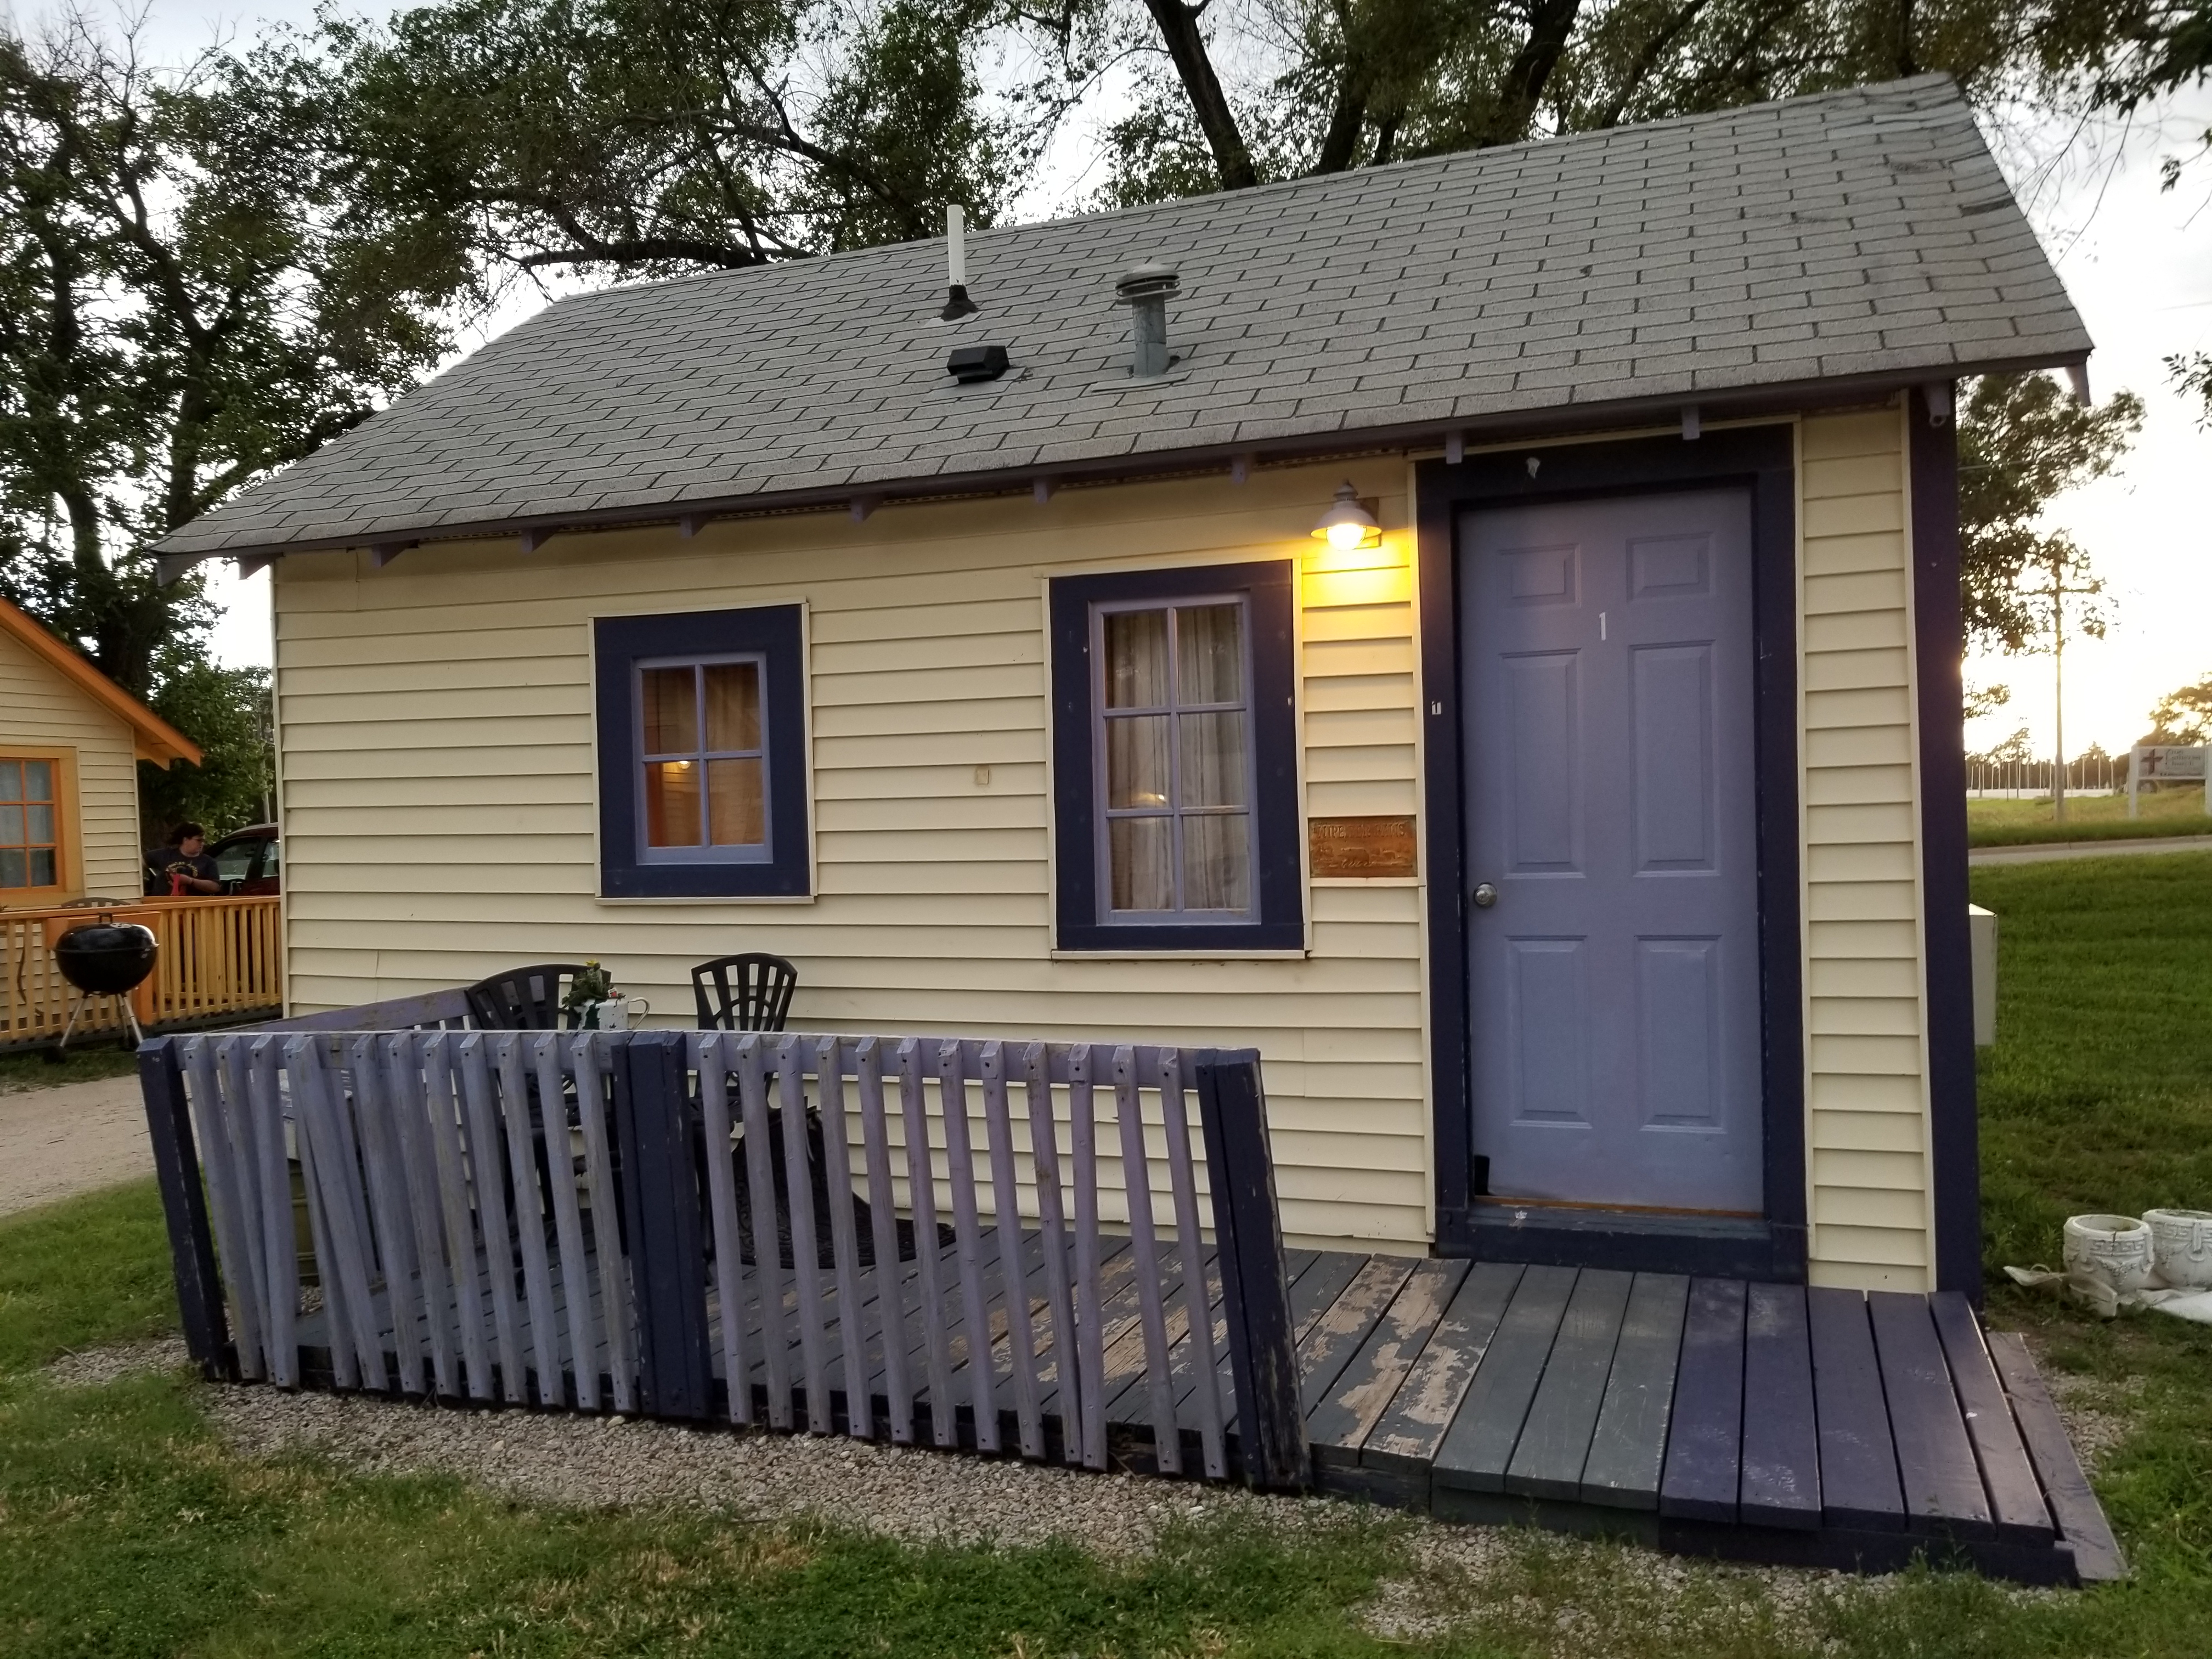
(1214, 199)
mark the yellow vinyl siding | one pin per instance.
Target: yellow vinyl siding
(439, 791)
(1865, 1008)
(39, 709)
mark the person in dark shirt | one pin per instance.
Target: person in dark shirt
(182, 867)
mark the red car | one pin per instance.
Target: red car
(247, 861)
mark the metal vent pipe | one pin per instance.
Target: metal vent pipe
(1146, 290)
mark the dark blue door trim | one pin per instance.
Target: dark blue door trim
(1939, 641)
(1758, 459)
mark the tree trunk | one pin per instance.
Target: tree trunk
(1521, 88)
(1178, 26)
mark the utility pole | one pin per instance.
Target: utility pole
(2057, 594)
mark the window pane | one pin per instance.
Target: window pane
(1217, 862)
(672, 712)
(671, 804)
(42, 826)
(1212, 760)
(12, 867)
(38, 780)
(1138, 853)
(733, 707)
(735, 814)
(1137, 761)
(43, 872)
(11, 826)
(11, 780)
(1210, 654)
(1136, 659)
(235, 863)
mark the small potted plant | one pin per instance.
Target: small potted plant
(591, 994)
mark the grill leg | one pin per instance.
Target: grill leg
(76, 1007)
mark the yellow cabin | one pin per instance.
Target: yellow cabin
(1492, 646)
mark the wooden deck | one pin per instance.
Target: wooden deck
(1711, 1416)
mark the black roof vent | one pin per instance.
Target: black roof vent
(968, 364)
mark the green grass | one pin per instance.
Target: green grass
(2089, 818)
(127, 1529)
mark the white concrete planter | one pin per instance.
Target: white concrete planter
(2181, 1243)
(2115, 1249)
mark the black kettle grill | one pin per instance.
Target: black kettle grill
(106, 958)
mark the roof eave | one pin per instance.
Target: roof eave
(1716, 404)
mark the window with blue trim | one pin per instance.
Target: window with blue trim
(1174, 760)
(703, 755)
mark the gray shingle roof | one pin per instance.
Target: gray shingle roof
(1853, 234)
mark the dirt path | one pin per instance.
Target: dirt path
(56, 1143)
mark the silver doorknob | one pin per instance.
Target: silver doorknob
(1485, 896)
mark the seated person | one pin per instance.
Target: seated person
(183, 866)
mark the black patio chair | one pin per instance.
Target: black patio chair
(522, 998)
(747, 992)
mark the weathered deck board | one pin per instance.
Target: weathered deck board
(1404, 1442)
(1781, 1483)
(1479, 1446)
(1629, 1443)
(2080, 1518)
(1339, 1424)
(2016, 1504)
(1941, 1482)
(1554, 1444)
(1704, 1450)
(1858, 1457)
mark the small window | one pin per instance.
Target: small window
(30, 825)
(703, 755)
(1175, 753)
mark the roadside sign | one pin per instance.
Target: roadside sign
(2167, 762)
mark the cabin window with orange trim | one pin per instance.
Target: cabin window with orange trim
(30, 824)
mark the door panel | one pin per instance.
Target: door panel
(1613, 988)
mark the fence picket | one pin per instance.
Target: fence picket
(280, 1247)
(529, 1214)
(410, 1118)
(568, 1220)
(235, 1081)
(393, 1247)
(960, 1165)
(722, 1204)
(921, 1197)
(442, 1100)
(1137, 1183)
(805, 1243)
(768, 1265)
(227, 1200)
(341, 1251)
(1052, 1238)
(1013, 1251)
(1089, 1380)
(1190, 1249)
(844, 1249)
(883, 1226)
(615, 1317)
(486, 1161)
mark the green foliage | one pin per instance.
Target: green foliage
(2023, 441)
(2182, 715)
(2191, 373)
(645, 136)
(188, 300)
(225, 712)
(2164, 814)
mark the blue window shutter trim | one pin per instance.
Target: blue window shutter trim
(1278, 881)
(775, 632)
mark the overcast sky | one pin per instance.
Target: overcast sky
(2138, 262)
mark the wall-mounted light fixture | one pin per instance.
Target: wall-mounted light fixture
(1348, 524)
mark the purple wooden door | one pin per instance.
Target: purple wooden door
(1613, 982)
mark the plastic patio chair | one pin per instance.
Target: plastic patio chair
(522, 998)
(747, 992)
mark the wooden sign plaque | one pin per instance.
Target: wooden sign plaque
(1363, 846)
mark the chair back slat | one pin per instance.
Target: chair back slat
(747, 992)
(522, 998)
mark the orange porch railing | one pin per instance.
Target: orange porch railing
(221, 959)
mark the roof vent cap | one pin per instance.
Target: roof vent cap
(1145, 289)
(968, 364)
